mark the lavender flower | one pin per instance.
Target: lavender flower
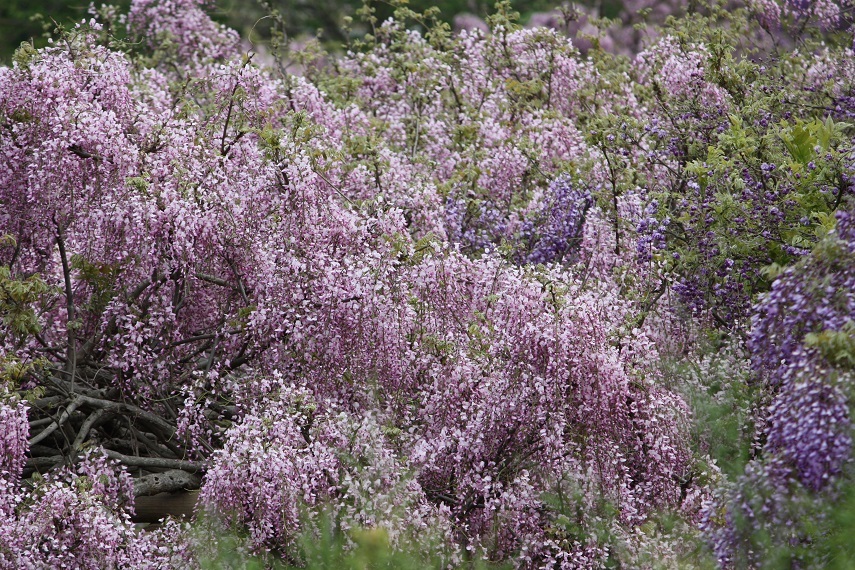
(555, 231)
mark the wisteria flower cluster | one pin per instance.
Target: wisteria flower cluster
(463, 300)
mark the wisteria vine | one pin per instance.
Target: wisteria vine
(462, 298)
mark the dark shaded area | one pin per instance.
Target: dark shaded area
(25, 20)
(28, 20)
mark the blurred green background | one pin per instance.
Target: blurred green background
(25, 20)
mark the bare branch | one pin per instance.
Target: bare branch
(214, 279)
(152, 447)
(57, 423)
(40, 463)
(88, 424)
(157, 462)
(130, 410)
(43, 403)
(71, 350)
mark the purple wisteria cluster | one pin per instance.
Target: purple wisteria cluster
(651, 232)
(554, 232)
(814, 296)
(548, 231)
(797, 351)
(793, 346)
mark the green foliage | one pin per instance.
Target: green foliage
(18, 304)
(325, 546)
(838, 347)
(352, 22)
(753, 188)
(227, 554)
(101, 276)
(820, 538)
(24, 23)
(24, 55)
(359, 549)
(718, 388)
(572, 522)
(837, 543)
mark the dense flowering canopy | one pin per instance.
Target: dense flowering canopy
(472, 295)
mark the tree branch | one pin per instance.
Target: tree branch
(130, 410)
(167, 482)
(88, 424)
(56, 424)
(71, 351)
(157, 462)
